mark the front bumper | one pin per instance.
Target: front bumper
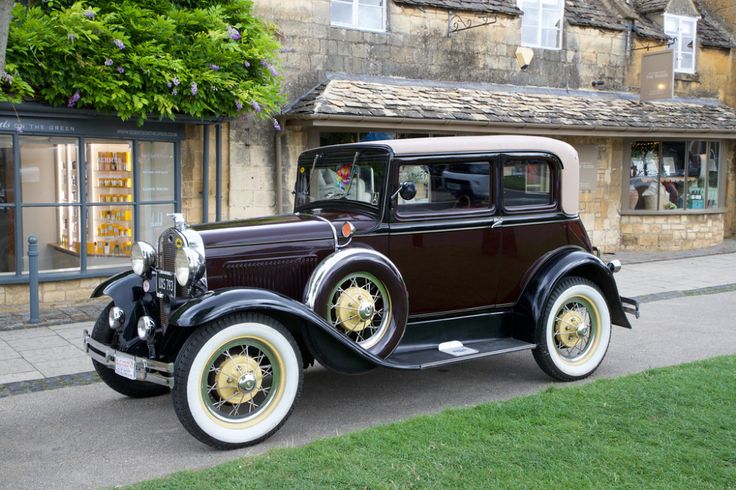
(160, 373)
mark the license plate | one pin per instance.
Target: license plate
(124, 365)
(165, 283)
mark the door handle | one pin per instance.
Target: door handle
(497, 222)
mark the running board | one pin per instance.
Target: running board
(455, 351)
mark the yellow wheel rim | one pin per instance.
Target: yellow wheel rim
(360, 307)
(577, 330)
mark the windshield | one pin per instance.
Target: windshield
(345, 175)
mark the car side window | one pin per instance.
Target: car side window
(527, 182)
(446, 187)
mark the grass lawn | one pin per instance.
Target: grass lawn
(665, 428)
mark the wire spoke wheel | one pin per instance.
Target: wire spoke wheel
(241, 381)
(360, 307)
(576, 329)
(573, 333)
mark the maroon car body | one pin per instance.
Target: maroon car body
(404, 254)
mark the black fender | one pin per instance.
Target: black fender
(126, 291)
(333, 349)
(561, 263)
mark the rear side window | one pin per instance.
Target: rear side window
(527, 182)
(447, 187)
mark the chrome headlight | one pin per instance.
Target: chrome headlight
(142, 258)
(188, 266)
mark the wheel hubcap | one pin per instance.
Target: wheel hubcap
(355, 309)
(238, 379)
(570, 327)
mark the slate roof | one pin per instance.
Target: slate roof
(710, 31)
(588, 13)
(507, 7)
(646, 6)
(488, 105)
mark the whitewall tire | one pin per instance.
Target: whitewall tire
(237, 380)
(573, 334)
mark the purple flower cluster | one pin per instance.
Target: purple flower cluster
(7, 77)
(108, 62)
(238, 105)
(120, 44)
(276, 125)
(233, 33)
(174, 91)
(73, 99)
(175, 81)
(89, 14)
(246, 64)
(270, 67)
(121, 69)
(194, 88)
(214, 67)
(256, 107)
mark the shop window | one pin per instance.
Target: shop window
(527, 182)
(541, 24)
(7, 208)
(447, 187)
(368, 15)
(673, 175)
(58, 238)
(683, 31)
(156, 171)
(85, 215)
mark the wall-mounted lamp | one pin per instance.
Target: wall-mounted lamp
(598, 83)
(524, 57)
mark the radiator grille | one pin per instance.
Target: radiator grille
(285, 275)
(166, 260)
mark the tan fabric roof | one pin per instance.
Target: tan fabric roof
(505, 105)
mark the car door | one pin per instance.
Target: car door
(533, 224)
(443, 241)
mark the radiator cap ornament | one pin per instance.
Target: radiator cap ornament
(179, 222)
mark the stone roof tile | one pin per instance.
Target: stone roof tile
(592, 14)
(646, 6)
(423, 100)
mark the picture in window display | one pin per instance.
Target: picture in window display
(111, 228)
(673, 175)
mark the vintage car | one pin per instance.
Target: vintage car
(405, 254)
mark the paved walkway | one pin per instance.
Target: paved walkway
(52, 355)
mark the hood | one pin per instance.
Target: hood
(283, 228)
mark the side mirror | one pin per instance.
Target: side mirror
(407, 191)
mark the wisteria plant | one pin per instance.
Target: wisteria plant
(143, 59)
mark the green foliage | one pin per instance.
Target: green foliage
(144, 58)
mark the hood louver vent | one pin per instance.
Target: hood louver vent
(286, 275)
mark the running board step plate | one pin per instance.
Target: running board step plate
(455, 351)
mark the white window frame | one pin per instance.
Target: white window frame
(539, 44)
(679, 20)
(355, 24)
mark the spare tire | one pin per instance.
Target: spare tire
(360, 293)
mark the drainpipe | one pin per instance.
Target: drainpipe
(206, 173)
(629, 30)
(218, 172)
(279, 171)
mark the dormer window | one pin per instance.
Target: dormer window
(541, 24)
(683, 30)
(366, 15)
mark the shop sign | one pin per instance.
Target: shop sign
(657, 75)
(91, 127)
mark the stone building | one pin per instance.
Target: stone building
(357, 69)
(654, 174)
